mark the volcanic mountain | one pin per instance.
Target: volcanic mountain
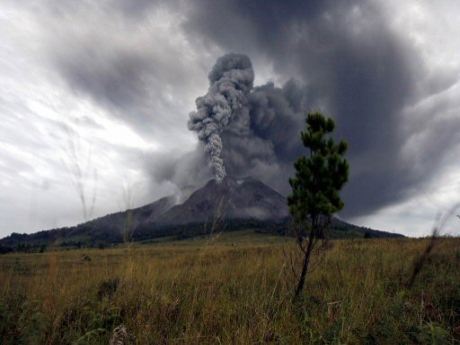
(231, 199)
(233, 204)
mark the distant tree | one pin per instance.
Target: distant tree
(319, 176)
(5, 249)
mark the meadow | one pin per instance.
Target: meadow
(233, 288)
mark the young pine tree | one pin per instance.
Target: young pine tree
(319, 176)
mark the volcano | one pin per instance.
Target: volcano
(231, 200)
(233, 204)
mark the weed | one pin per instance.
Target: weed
(234, 289)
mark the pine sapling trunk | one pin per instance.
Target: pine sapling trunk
(306, 260)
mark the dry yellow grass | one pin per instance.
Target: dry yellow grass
(233, 289)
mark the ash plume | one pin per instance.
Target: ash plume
(230, 81)
(351, 65)
(349, 60)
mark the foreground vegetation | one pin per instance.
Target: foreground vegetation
(233, 289)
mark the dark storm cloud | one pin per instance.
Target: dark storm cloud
(127, 83)
(114, 70)
(113, 77)
(126, 59)
(353, 66)
(345, 57)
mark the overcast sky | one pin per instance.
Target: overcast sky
(95, 97)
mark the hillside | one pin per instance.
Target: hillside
(229, 206)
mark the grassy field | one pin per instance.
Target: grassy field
(232, 289)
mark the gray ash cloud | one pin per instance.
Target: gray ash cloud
(347, 61)
(226, 101)
(350, 64)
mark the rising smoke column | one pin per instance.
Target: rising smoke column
(230, 80)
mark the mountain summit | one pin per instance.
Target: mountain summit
(232, 199)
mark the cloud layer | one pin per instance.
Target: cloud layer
(356, 68)
(124, 76)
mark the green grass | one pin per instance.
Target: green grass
(233, 288)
